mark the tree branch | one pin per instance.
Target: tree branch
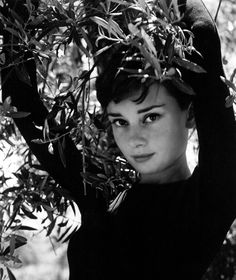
(218, 9)
(25, 98)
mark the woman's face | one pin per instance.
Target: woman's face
(152, 135)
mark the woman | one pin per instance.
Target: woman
(171, 223)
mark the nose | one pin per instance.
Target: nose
(137, 137)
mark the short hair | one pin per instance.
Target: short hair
(119, 87)
(115, 83)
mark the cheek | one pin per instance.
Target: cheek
(160, 131)
(119, 139)
(169, 135)
(177, 138)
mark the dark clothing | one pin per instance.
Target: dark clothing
(169, 231)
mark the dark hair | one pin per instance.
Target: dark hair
(122, 86)
(124, 90)
(182, 98)
(116, 81)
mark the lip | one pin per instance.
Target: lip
(142, 158)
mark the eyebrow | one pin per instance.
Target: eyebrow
(144, 110)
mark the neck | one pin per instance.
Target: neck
(178, 171)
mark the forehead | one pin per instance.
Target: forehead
(156, 95)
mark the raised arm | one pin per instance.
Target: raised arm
(25, 98)
(215, 122)
(215, 176)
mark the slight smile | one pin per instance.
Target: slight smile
(142, 158)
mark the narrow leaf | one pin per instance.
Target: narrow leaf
(72, 206)
(63, 224)
(64, 234)
(86, 38)
(182, 86)
(26, 228)
(12, 244)
(229, 101)
(2, 58)
(17, 17)
(100, 22)
(228, 83)
(143, 5)
(10, 274)
(20, 240)
(61, 153)
(38, 141)
(1, 273)
(120, 2)
(12, 189)
(18, 115)
(69, 236)
(148, 41)
(133, 29)
(188, 65)
(28, 213)
(115, 26)
(12, 31)
(164, 7)
(51, 227)
(29, 6)
(7, 103)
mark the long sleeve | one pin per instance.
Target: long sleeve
(25, 97)
(215, 176)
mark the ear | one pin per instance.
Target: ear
(190, 120)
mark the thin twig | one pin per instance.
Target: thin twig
(83, 136)
(218, 9)
(233, 76)
(50, 140)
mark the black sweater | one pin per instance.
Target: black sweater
(168, 231)
(171, 231)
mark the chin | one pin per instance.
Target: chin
(146, 170)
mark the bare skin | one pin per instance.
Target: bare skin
(152, 135)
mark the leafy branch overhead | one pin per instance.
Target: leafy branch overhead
(151, 27)
(154, 30)
(53, 26)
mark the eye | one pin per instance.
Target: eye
(119, 122)
(152, 118)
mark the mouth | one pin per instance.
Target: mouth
(142, 158)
